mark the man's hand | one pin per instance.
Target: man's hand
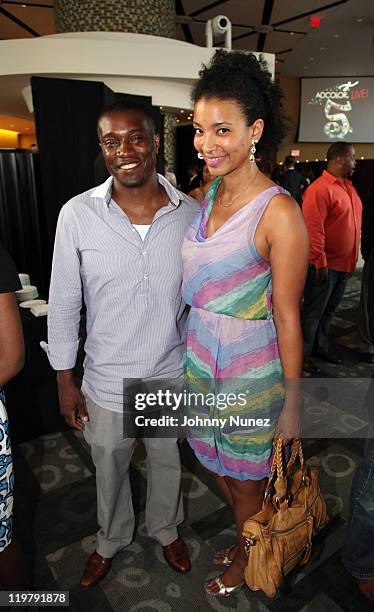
(72, 403)
(322, 276)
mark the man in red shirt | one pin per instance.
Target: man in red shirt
(332, 212)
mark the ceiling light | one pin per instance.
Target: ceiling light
(362, 157)
(336, 35)
(27, 128)
(307, 160)
(305, 67)
(311, 59)
(360, 20)
(11, 125)
(292, 33)
(322, 48)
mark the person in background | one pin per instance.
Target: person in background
(170, 175)
(364, 338)
(12, 568)
(118, 247)
(200, 192)
(193, 174)
(292, 180)
(308, 174)
(332, 212)
(359, 547)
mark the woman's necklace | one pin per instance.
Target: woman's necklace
(237, 196)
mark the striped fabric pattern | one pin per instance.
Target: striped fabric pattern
(231, 344)
(131, 288)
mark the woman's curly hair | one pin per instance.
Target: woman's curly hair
(241, 77)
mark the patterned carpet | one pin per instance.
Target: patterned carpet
(56, 521)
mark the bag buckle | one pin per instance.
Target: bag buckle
(249, 541)
(278, 500)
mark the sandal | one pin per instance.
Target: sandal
(224, 554)
(224, 591)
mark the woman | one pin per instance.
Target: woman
(200, 192)
(12, 572)
(245, 261)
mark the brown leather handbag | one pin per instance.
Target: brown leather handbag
(279, 537)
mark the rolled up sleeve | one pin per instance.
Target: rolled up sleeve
(315, 210)
(65, 295)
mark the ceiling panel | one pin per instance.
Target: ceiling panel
(238, 11)
(284, 9)
(40, 20)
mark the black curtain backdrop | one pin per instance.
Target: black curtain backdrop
(66, 113)
(22, 230)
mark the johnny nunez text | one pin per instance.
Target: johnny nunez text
(196, 421)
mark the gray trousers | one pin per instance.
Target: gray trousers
(111, 453)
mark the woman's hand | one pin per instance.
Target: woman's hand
(289, 425)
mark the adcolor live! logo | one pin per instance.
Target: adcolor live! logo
(337, 102)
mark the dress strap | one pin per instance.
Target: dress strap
(262, 203)
(206, 206)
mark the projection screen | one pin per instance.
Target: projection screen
(337, 108)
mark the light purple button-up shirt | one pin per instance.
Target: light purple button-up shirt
(131, 288)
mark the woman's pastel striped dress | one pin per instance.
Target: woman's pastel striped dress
(231, 343)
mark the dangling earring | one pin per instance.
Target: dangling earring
(253, 151)
(200, 156)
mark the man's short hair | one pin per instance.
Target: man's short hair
(337, 149)
(128, 106)
(289, 160)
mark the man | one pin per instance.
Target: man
(293, 180)
(359, 549)
(120, 244)
(332, 212)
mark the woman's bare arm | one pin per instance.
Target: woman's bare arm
(288, 245)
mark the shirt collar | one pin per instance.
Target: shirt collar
(333, 179)
(104, 191)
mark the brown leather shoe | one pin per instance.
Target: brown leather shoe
(176, 555)
(366, 587)
(96, 569)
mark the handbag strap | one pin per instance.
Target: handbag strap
(277, 466)
(276, 470)
(297, 452)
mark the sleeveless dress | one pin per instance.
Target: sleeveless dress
(233, 374)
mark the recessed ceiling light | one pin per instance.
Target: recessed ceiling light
(362, 157)
(322, 48)
(311, 59)
(23, 5)
(359, 20)
(305, 67)
(336, 35)
(292, 33)
(307, 160)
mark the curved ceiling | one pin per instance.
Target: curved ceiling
(341, 45)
